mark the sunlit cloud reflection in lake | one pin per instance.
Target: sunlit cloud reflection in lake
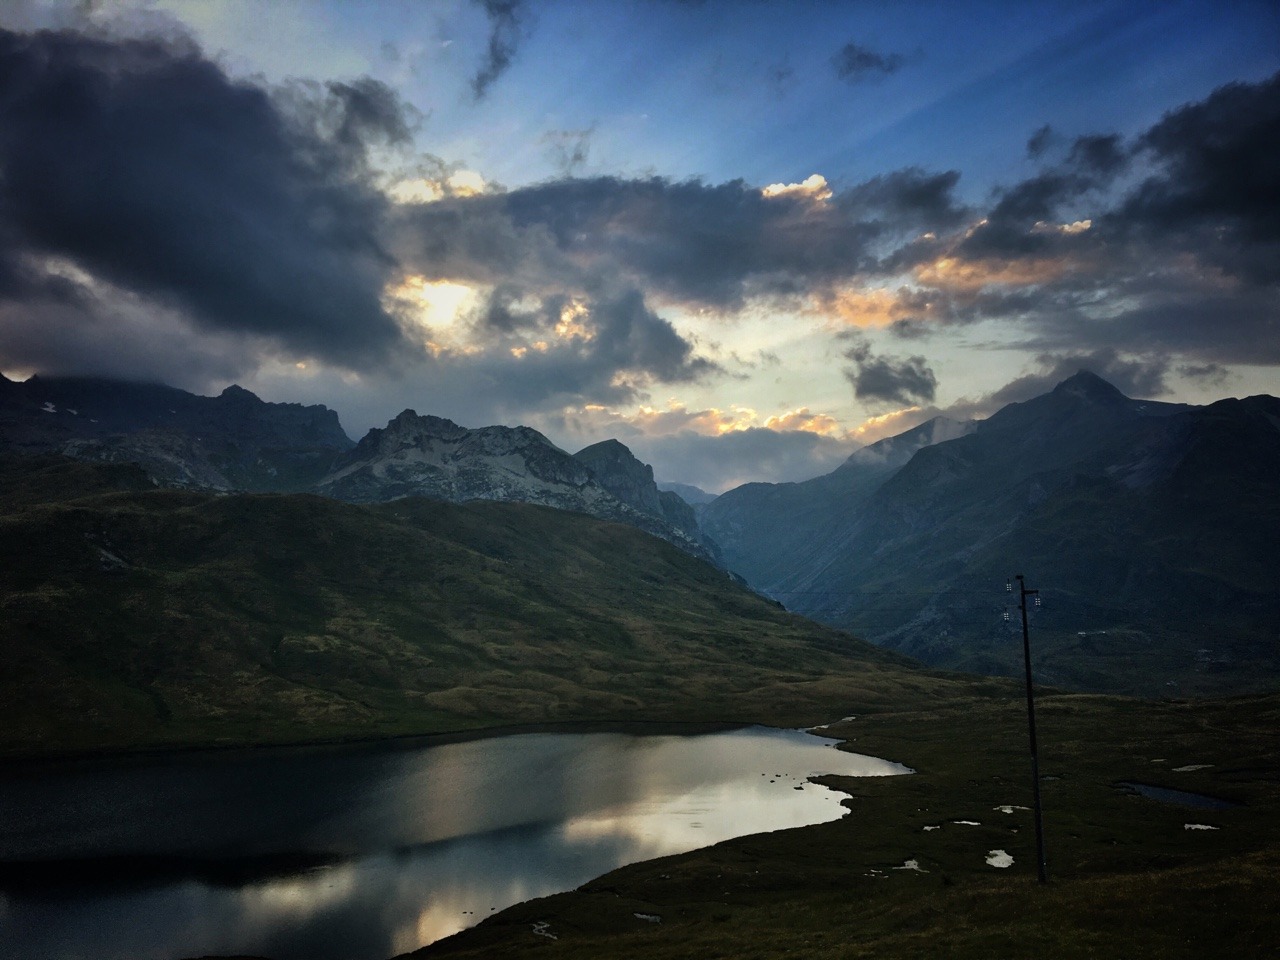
(369, 853)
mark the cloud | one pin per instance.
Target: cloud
(855, 63)
(569, 149)
(526, 352)
(715, 449)
(910, 199)
(814, 187)
(1165, 243)
(1212, 373)
(709, 457)
(895, 380)
(1216, 186)
(721, 463)
(699, 244)
(1099, 154)
(137, 167)
(1040, 141)
(505, 25)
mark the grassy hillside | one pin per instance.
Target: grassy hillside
(135, 617)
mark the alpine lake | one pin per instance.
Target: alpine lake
(365, 852)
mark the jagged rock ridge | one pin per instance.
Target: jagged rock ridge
(433, 457)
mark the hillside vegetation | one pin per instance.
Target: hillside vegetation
(141, 617)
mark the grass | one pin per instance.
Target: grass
(1126, 878)
(135, 619)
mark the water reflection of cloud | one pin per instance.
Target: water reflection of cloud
(437, 839)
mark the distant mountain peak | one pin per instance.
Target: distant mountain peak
(622, 474)
(408, 428)
(237, 392)
(610, 447)
(1087, 385)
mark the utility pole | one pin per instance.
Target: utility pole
(1031, 722)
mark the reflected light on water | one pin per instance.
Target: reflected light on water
(429, 840)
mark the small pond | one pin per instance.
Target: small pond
(361, 854)
(1183, 798)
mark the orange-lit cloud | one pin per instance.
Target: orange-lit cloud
(890, 424)
(710, 422)
(970, 276)
(802, 419)
(875, 307)
(572, 325)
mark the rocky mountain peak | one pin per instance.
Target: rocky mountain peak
(408, 429)
(1089, 387)
(619, 472)
(237, 393)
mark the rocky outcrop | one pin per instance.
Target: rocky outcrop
(432, 457)
(622, 474)
(237, 442)
(631, 481)
(234, 441)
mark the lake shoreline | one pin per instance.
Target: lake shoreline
(20, 762)
(405, 847)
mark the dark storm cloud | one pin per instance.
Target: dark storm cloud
(607, 348)
(1182, 260)
(855, 63)
(905, 381)
(143, 167)
(711, 245)
(1216, 188)
(909, 199)
(505, 24)
(1098, 154)
(1212, 190)
(1009, 229)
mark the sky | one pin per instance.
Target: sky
(742, 237)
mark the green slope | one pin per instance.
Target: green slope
(135, 617)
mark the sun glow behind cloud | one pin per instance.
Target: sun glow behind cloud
(433, 305)
(460, 183)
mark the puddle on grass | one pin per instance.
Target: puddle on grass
(1184, 798)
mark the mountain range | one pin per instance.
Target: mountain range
(236, 442)
(1149, 529)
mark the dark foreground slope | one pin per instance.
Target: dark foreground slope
(906, 873)
(133, 617)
